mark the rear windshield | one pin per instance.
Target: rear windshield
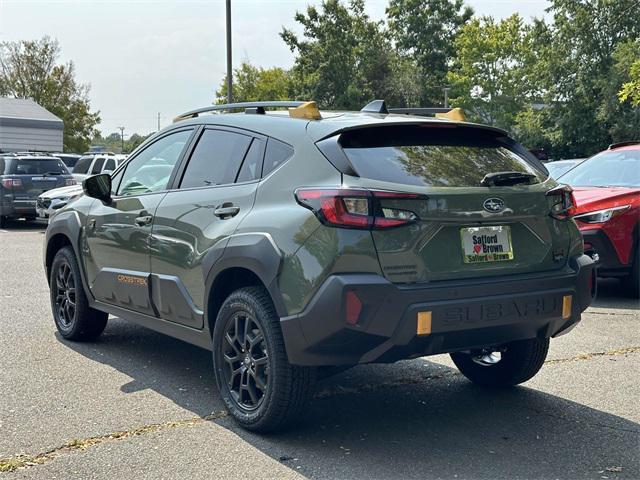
(432, 156)
(51, 166)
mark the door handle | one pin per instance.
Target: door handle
(226, 210)
(143, 220)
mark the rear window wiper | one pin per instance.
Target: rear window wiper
(51, 173)
(505, 179)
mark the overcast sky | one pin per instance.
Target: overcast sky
(144, 57)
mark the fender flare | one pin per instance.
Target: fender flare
(67, 223)
(256, 252)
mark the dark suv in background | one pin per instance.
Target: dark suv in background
(288, 242)
(25, 176)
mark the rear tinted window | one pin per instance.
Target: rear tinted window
(97, 167)
(277, 153)
(82, 166)
(439, 157)
(51, 166)
(216, 159)
(250, 169)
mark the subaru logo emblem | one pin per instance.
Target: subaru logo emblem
(493, 205)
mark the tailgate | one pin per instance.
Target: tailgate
(463, 228)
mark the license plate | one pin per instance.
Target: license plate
(486, 244)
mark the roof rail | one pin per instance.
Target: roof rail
(249, 107)
(624, 144)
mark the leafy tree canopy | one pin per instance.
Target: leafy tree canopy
(426, 30)
(252, 84)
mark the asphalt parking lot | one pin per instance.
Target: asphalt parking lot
(137, 404)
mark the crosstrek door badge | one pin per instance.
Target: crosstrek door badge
(493, 205)
(131, 280)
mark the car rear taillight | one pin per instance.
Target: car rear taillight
(69, 182)
(563, 203)
(11, 183)
(356, 207)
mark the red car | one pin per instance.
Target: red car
(606, 189)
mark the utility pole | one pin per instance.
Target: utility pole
(158, 121)
(446, 96)
(229, 72)
(121, 139)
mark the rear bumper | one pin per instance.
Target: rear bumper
(18, 208)
(464, 314)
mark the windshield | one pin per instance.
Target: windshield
(439, 157)
(51, 166)
(557, 169)
(617, 168)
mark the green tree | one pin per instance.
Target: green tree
(584, 77)
(344, 59)
(627, 66)
(491, 77)
(113, 143)
(251, 83)
(426, 31)
(29, 69)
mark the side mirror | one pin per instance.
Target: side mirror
(98, 186)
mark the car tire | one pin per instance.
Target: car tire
(73, 317)
(519, 361)
(262, 391)
(3, 221)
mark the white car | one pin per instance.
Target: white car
(51, 201)
(97, 163)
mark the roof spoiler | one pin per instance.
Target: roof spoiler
(454, 114)
(380, 106)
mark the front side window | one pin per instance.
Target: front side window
(110, 165)
(151, 170)
(83, 164)
(215, 159)
(615, 168)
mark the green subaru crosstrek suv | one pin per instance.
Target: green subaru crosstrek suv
(289, 241)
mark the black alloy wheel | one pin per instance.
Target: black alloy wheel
(64, 292)
(74, 318)
(246, 358)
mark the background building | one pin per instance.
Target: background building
(26, 126)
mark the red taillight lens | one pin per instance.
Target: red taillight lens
(69, 182)
(353, 307)
(563, 202)
(11, 183)
(356, 208)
